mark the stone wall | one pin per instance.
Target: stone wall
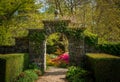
(38, 55)
(37, 49)
(76, 46)
(76, 51)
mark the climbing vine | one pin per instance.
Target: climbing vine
(76, 33)
(60, 27)
(37, 37)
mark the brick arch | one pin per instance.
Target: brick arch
(75, 47)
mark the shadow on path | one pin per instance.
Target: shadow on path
(53, 74)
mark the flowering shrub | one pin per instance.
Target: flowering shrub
(49, 58)
(59, 61)
(62, 60)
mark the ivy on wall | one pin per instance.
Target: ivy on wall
(37, 36)
(76, 33)
(62, 27)
(40, 36)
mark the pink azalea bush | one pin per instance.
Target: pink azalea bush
(63, 58)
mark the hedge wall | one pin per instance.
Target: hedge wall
(110, 48)
(90, 38)
(12, 65)
(91, 44)
(106, 68)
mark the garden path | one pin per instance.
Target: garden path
(53, 74)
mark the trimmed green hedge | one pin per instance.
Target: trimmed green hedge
(106, 67)
(110, 48)
(90, 38)
(13, 65)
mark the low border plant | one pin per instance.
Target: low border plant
(78, 74)
(27, 76)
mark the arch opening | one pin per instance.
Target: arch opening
(57, 50)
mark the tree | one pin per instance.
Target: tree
(9, 7)
(107, 19)
(99, 16)
(11, 24)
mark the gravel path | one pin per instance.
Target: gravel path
(53, 74)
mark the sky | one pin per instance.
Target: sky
(45, 5)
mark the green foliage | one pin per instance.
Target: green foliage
(63, 65)
(26, 61)
(36, 68)
(39, 72)
(117, 2)
(105, 47)
(37, 36)
(52, 40)
(107, 20)
(9, 7)
(51, 49)
(77, 74)
(5, 36)
(49, 58)
(90, 38)
(110, 48)
(105, 67)
(27, 76)
(55, 42)
(12, 15)
(14, 65)
(60, 26)
(99, 16)
(33, 66)
(74, 32)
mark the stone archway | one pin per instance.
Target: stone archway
(37, 41)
